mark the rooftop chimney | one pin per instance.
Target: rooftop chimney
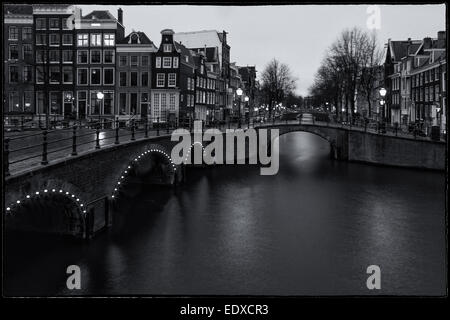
(120, 15)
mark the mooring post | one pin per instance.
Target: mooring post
(117, 132)
(97, 139)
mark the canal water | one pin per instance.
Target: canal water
(312, 229)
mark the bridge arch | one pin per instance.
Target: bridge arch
(56, 207)
(151, 151)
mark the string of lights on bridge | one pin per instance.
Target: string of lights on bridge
(29, 197)
(137, 159)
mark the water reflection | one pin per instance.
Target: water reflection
(311, 229)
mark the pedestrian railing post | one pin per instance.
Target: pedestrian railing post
(117, 132)
(157, 126)
(132, 130)
(167, 126)
(6, 159)
(74, 141)
(21, 125)
(44, 148)
(97, 139)
(176, 122)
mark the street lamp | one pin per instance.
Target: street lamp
(239, 93)
(100, 96)
(382, 92)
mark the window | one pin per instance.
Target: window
(175, 62)
(123, 60)
(96, 39)
(95, 103)
(167, 48)
(167, 62)
(144, 61)
(158, 62)
(27, 74)
(13, 74)
(67, 75)
(40, 24)
(53, 23)
(108, 102)
(27, 52)
(144, 103)
(40, 75)
(13, 52)
(13, 33)
(54, 56)
(172, 80)
(96, 56)
(163, 106)
(155, 109)
(82, 56)
(122, 103)
(14, 101)
(108, 40)
(82, 40)
(436, 92)
(67, 56)
(26, 33)
(123, 79)
(67, 39)
(54, 39)
(64, 23)
(160, 79)
(27, 99)
(134, 60)
(41, 39)
(144, 79)
(96, 76)
(172, 102)
(82, 76)
(108, 56)
(55, 74)
(133, 103)
(108, 76)
(133, 79)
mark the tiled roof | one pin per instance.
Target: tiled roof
(21, 9)
(100, 14)
(184, 52)
(142, 37)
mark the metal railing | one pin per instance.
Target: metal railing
(22, 151)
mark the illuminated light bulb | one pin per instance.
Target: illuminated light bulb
(60, 191)
(53, 190)
(28, 196)
(67, 192)
(121, 177)
(112, 196)
(73, 196)
(18, 201)
(125, 171)
(78, 199)
(115, 189)
(129, 167)
(45, 190)
(37, 192)
(84, 211)
(81, 205)
(118, 182)
(7, 209)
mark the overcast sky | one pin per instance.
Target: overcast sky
(297, 35)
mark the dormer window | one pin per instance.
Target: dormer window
(134, 38)
(167, 48)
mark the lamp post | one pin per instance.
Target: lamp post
(239, 93)
(100, 96)
(383, 92)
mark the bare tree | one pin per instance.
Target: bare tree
(349, 67)
(277, 83)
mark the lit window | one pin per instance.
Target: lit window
(96, 39)
(82, 40)
(108, 40)
(167, 48)
(13, 33)
(158, 62)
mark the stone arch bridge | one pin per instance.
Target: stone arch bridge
(82, 187)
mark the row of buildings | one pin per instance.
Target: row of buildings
(415, 78)
(60, 64)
